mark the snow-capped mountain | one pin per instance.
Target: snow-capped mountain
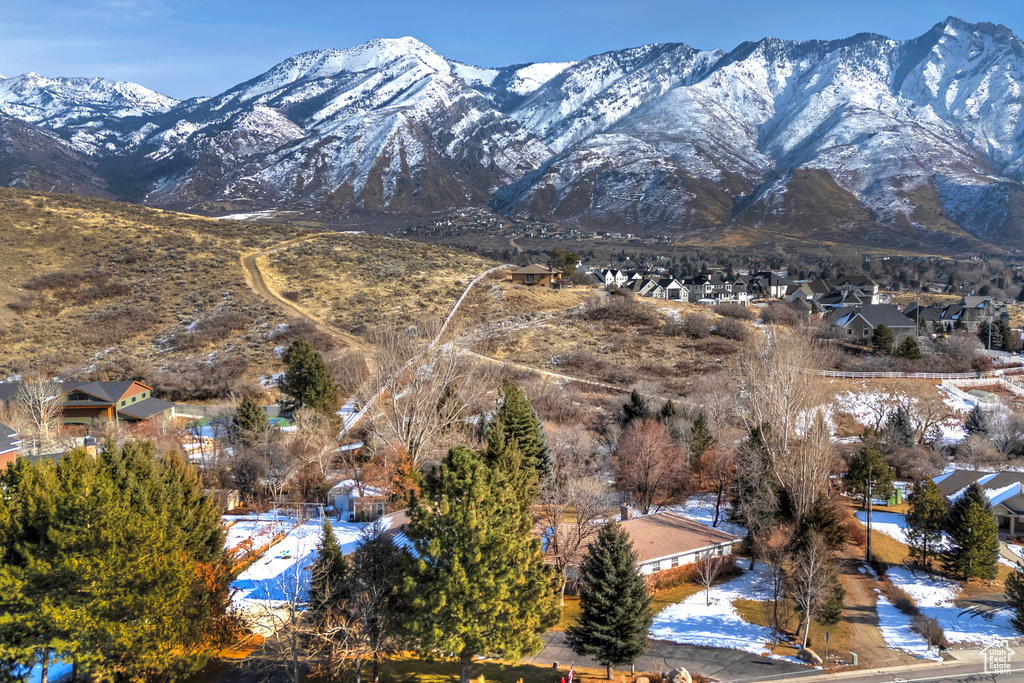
(865, 138)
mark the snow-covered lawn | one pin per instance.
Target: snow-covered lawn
(719, 624)
(892, 524)
(863, 407)
(280, 573)
(934, 596)
(895, 627)
(259, 531)
(701, 508)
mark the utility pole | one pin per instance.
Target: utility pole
(919, 314)
(867, 502)
(989, 331)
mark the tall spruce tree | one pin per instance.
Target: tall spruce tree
(522, 427)
(615, 603)
(882, 339)
(1015, 595)
(700, 441)
(327, 603)
(925, 521)
(250, 422)
(480, 585)
(909, 349)
(307, 379)
(636, 409)
(974, 536)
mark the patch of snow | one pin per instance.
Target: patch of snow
(701, 508)
(280, 573)
(935, 598)
(694, 622)
(895, 628)
(893, 525)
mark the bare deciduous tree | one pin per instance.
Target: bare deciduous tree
(706, 570)
(39, 404)
(572, 500)
(810, 578)
(316, 438)
(412, 377)
(786, 399)
(648, 465)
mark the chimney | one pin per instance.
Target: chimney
(625, 512)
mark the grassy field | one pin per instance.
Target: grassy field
(756, 612)
(351, 280)
(86, 281)
(584, 333)
(92, 289)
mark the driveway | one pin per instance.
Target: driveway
(714, 662)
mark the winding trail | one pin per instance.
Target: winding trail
(257, 283)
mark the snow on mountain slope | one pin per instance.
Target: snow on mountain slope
(920, 140)
(59, 102)
(386, 125)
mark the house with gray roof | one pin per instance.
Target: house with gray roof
(1004, 490)
(860, 322)
(10, 444)
(84, 402)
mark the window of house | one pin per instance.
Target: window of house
(849, 330)
(866, 332)
(123, 403)
(675, 561)
(133, 399)
(655, 567)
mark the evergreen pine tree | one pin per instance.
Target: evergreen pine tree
(669, 416)
(974, 536)
(899, 429)
(1014, 589)
(522, 427)
(868, 467)
(831, 611)
(249, 422)
(976, 422)
(882, 339)
(700, 441)
(614, 602)
(327, 608)
(503, 455)
(925, 521)
(141, 522)
(480, 585)
(909, 349)
(307, 379)
(635, 409)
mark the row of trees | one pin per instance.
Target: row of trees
(115, 565)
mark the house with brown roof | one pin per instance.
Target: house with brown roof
(536, 274)
(667, 540)
(83, 402)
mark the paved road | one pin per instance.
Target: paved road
(718, 663)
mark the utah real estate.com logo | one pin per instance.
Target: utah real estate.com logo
(997, 656)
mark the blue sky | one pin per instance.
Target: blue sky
(185, 48)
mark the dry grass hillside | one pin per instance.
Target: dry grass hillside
(584, 333)
(91, 289)
(350, 280)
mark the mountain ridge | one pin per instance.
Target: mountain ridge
(925, 135)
